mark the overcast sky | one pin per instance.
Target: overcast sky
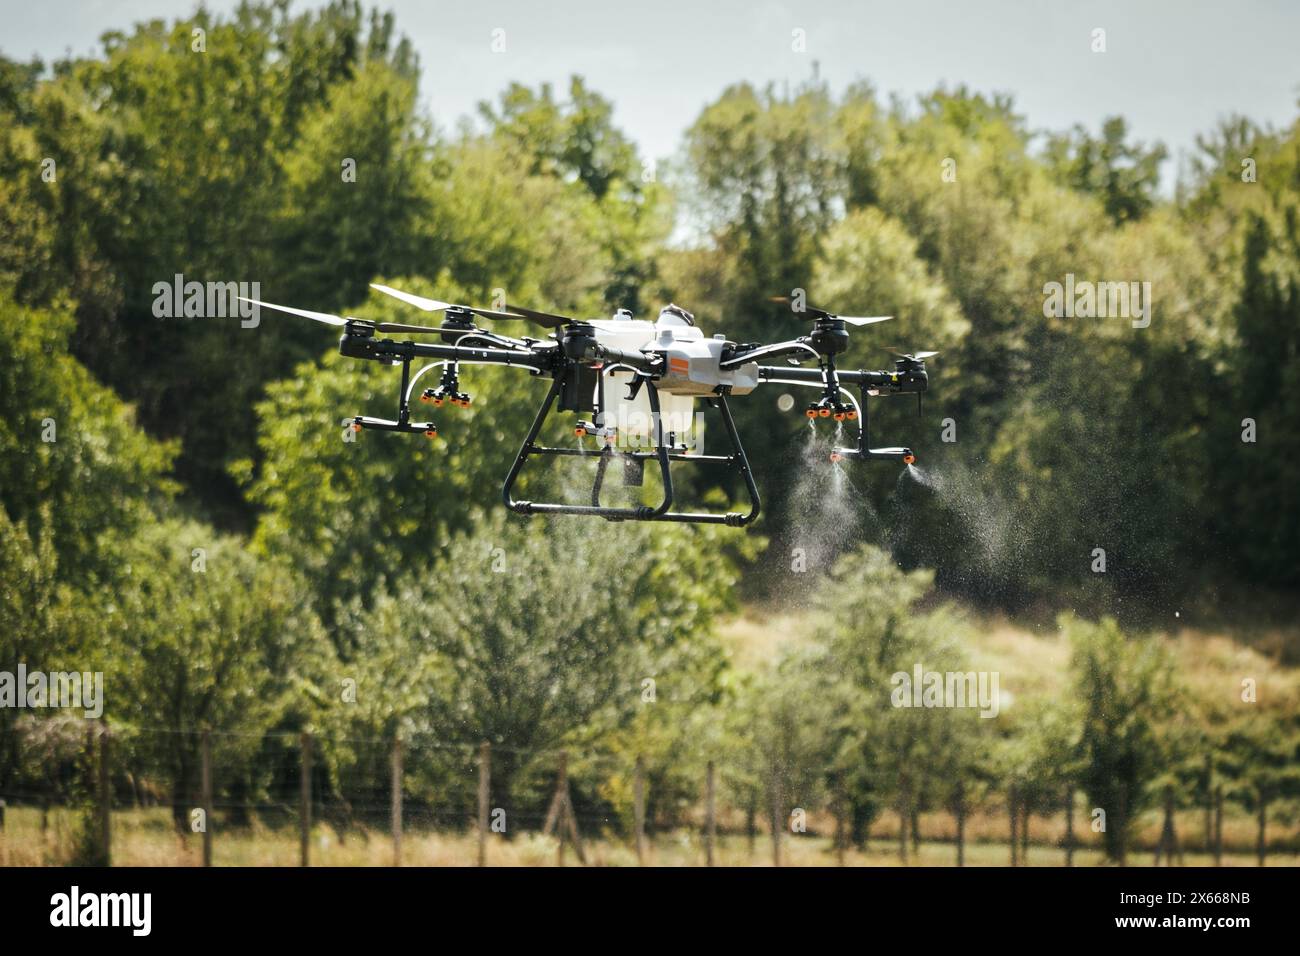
(1171, 68)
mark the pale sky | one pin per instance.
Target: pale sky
(1171, 68)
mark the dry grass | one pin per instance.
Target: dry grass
(146, 838)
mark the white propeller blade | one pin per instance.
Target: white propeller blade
(419, 301)
(864, 320)
(305, 313)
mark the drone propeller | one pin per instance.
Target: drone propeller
(546, 319)
(419, 301)
(434, 305)
(304, 313)
(862, 319)
(329, 319)
(917, 357)
(809, 312)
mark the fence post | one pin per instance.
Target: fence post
(562, 815)
(840, 809)
(484, 795)
(1168, 844)
(1012, 819)
(105, 799)
(1209, 803)
(1069, 826)
(1123, 824)
(205, 784)
(751, 824)
(561, 790)
(710, 823)
(777, 823)
(396, 808)
(1025, 815)
(638, 809)
(304, 808)
(960, 808)
(1218, 825)
(1261, 842)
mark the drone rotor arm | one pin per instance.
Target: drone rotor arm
(775, 350)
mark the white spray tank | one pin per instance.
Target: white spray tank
(672, 334)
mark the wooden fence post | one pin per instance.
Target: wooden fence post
(1069, 826)
(840, 809)
(1024, 832)
(1168, 844)
(205, 784)
(902, 827)
(751, 823)
(638, 809)
(1011, 814)
(710, 823)
(959, 810)
(1261, 841)
(777, 823)
(395, 809)
(105, 799)
(561, 789)
(1218, 825)
(561, 813)
(484, 796)
(1123, 824)
(304, 805)
(1209, 803)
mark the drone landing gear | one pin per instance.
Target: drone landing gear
(864, 451)
(403, 423)
(427, 429)
(634, 463)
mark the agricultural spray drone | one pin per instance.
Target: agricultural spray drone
(633, 385)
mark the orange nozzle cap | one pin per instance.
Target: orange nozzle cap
(908, 459)
(824, 412)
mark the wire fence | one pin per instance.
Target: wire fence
(84, 793)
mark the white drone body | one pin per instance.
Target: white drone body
(692, 369)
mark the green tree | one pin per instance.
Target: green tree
(197, 633)
(533, 637)
(1125, 175)
(1126, 691)
(70, 449)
